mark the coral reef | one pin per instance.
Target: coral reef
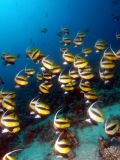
(111, 153)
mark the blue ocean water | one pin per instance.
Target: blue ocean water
(21, 22)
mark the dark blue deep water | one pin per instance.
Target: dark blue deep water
(21, 25)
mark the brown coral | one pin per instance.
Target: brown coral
(111, 153)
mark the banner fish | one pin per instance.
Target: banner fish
(61, 123)
(10, 123)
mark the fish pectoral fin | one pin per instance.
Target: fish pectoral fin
(88, 120)
(53, 76)
(62, 86)
(59, 156)
(32, 112)
(87, 102)
(65, 63)
(106, 82)
(43, 68)
(1, 110)
(97, 51)
(87, 82)
(37, 116)
(65, 92)
(75, 46)
(16, 86)
(65, 44)
(8, 64)
(5, 130)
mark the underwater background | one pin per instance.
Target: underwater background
(28, 24)
(21, 24)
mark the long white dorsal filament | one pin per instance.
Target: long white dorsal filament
(57, 141)
(45, 58)
(3, 115)
(9, 153)
(94, 103)
(26, 67)
(61, 74)
(6, 97)
(113, 51)
(37, 104)
(19, 73)
(33, 99)
(57, 114)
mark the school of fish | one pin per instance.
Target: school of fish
(75, 72)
